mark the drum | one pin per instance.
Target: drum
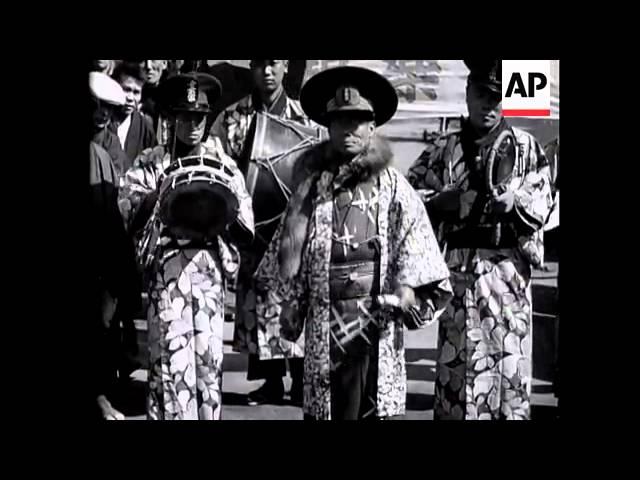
(277, 145)
(197, 198)
(504, 171)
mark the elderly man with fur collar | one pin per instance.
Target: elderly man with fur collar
(354, 261)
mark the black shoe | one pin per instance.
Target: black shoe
(269, 392)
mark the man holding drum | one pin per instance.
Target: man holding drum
(487, 187)
(354, 231)
(198, 209)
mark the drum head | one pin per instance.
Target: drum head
(199, 208)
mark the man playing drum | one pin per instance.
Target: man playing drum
(233, 127)
(353, 234)
(199, 210)
(491, 228)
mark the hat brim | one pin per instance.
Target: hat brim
(321, 88)
(209, 84)
(189, 108)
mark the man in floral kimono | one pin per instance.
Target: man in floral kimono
(187, 274)
(355, 235)
(484, 348)
(233, 127)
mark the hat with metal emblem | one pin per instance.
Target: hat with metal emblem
(348, 89)
(485, 73)
(190, 92)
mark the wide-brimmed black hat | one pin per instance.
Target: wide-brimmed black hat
(190, 92)
(486, 73)
(348, 89)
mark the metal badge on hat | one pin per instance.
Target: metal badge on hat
(347, 95)
(192, 93)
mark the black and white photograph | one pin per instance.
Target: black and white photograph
(325, 239)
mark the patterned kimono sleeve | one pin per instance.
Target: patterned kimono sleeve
(426, 174)
(417, 261)
(281, 305)
(139, 181)
(242, 230)
(533, 202)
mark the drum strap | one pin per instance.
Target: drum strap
(252, 177)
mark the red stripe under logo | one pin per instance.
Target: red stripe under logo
(526, 113)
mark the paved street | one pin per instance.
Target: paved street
(420, 356)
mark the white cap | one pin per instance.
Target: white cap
(106, 89)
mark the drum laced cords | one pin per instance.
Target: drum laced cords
(269, 163)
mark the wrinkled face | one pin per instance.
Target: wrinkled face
(350, 133)
(133, 93)
(268, 74)
(153, 69)
(190, 127)
(101, 113)
(485, 107)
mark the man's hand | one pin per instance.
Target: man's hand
(503, 203)
(407, 297)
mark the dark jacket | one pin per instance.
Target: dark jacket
(112, 267)
(139, 137)
(109, 141)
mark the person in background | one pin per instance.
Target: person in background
(114, 281)
(134, 130)
(233, 127)
(101, 134)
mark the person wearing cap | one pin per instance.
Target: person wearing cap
(114, 282)
(134, 130)
(107, 102)
(187, 276)
(233, 128)
(354, 258)
(484, 361)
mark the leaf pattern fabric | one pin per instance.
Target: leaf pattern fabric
(185, 319)
(484, 341)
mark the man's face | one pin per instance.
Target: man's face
(101, 114)
(154, 69)
(190, 127)
(268, 74)
(485, 107)
(350, 133)
(133, 93)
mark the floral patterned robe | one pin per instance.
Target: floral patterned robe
(484, 367)
(187, 284)
(409, 255)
